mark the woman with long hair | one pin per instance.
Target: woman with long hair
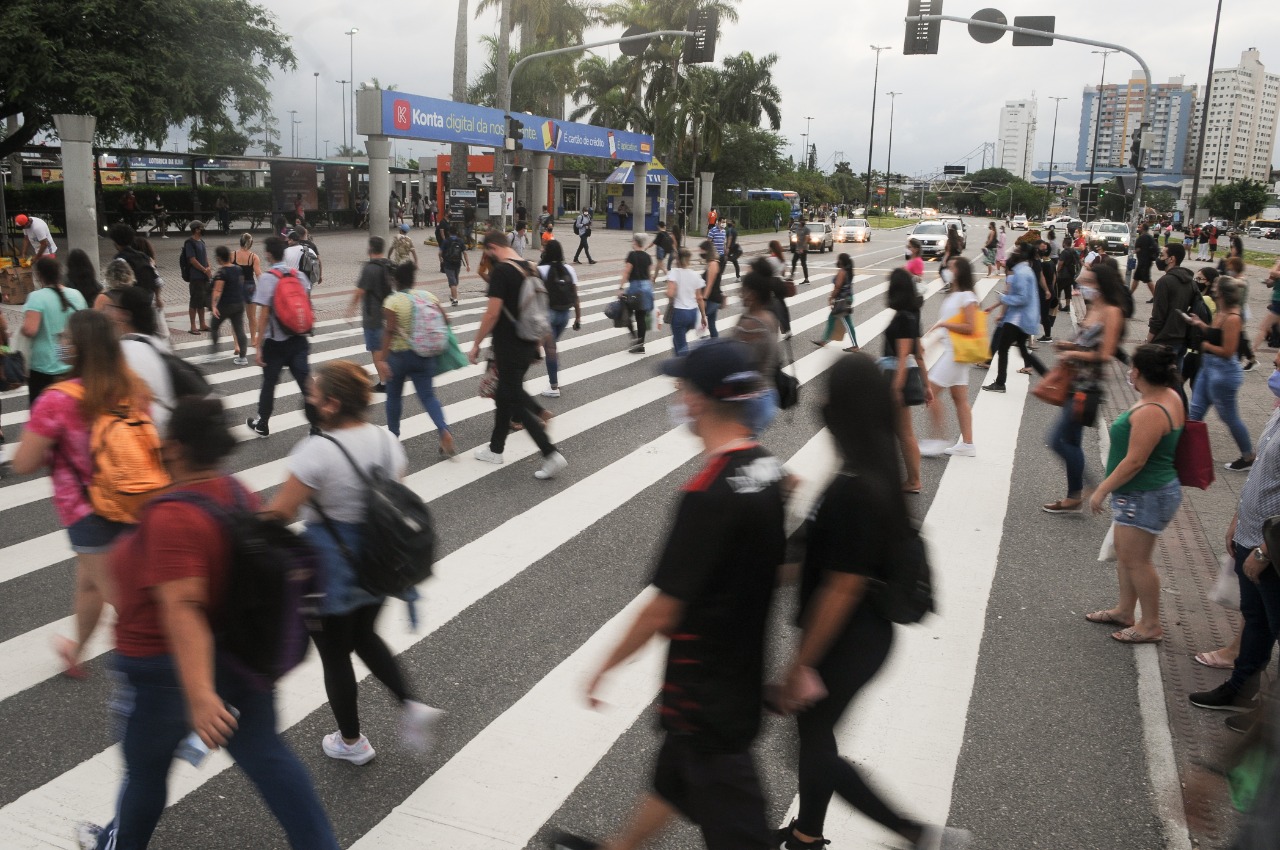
(758, 328)
(1094, 346)
(45, 315)
(554, 269)
(81, 275)
(959, 314)
(1144, 490)
(1220, 377)
(1021, 303)
(1001, 253)
(143, 245)
(326, 483)
(904, 351)
(57, 435)
(841, 302)
(712, 296)
(250, 270)
(684, 293)
(778, 266)
(853, 539)
(950, 251)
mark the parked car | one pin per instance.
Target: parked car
(1108, 237)
(932, 236)
(1019, 223)
(854, 230)
(821, 236)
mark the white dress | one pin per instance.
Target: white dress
(947, 372)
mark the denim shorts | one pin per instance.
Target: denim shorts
(1149, 510)
(94, 535)
(373, 339)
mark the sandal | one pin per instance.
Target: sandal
(1132, 635)
(1107, 619)
(1025, 370)
(1214, 660)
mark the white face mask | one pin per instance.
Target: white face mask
(1088, 292)
(678, 414)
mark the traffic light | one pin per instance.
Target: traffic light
(922, 38)
(515, 134)
(1071, 191)
(1135, 149)
(701, 46)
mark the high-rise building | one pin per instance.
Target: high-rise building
(1015, 144)
(1171, 133)
(1241, 133)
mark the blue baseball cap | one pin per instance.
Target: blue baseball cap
(719, 368)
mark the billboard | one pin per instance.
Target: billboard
(291, 179)
(410, 116)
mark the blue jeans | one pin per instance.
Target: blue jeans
(761, 411)
(713, 308)
(1260, 607)
(1217, 386)
(414, 367)
(682, 321)
(151, 711)
(559, 321)
(1065, 440)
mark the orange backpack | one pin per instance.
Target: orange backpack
(127, 470)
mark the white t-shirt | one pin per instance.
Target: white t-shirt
(293, 256)
(687, 282)
(147, 364)
(1089, 258)
(38, 231)
(573, 274)
(320, 465)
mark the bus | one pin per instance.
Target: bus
(787, 195)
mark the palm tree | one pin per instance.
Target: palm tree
(604, 88)
(748, 89)
(458, 152)
(542, 25)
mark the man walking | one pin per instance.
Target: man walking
(582, 227)
(664, 247)
(512, 356)
(519, 239)
(732, 249)
(1145, 249)
(800, 251)
(714, 582)
(372, 288)
(453, 256)
(197, 273)
(276, 346)
(1173, 296)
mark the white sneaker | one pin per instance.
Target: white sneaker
(962, 449)
(553, 392)
(240, 361)
(944, 838)
(933, 448)
(361, 752)
(552, 465)
(417, 726)
(487, 456)
(87, 835)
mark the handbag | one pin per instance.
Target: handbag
(1086, 398)
(13, 370)
(452, 357)
(788, 386)
(972, 347)
(841, 307)
(789, 287)
(1193, 459)
(488, 386)
(913, 389)
(1054, 387)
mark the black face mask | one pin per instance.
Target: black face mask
(1162, 263)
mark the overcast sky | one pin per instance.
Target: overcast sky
(949, 105)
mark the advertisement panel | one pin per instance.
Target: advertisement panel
(410, 116)
(337, 186)
(288, 181)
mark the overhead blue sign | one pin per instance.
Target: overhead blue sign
(409, 116)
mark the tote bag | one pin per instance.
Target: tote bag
(972, 347)
(1193, 459)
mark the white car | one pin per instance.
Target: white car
(1019, 223)
(932, 236)
(854, 230)
(947, 221)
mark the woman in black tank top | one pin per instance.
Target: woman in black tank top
(250, 269)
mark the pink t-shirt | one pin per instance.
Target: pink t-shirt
(56, 416)
(915, 266)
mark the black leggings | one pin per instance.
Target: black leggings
(337, 638)
(1009, 336)
(640, 320)
(852, 661)
(801, 257)
(235, 315)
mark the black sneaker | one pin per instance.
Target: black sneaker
(1238, 465)
(1242, 723)
(636, 349)
(1045, 338)
(567, 841)
(257, 427)
(994, 388)
(378, 388)
(1221, 698)
(1249, 365)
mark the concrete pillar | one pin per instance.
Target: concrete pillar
(78, 188)
(704, 200)
(639, 196)
(662, 199)
(379, 148)
(584, 193)
(538, 198)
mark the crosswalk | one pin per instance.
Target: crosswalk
(507, 543)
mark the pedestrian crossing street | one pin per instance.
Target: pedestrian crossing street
(535, 582)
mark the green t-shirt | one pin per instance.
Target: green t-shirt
(53, 321)
(1157, 471)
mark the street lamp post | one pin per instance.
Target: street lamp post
(808, 121)
(293, 132)
(344, 84)
(326, 148)
(1052, 147)
(871, 145)
(351, 74)
(1093, 161)
(888, 165)
(316, 122)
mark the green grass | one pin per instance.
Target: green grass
(888, 222)
(1259, 258)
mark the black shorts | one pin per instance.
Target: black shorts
(1142, 272)
(720, 792)
(198, 294)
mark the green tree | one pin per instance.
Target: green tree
(752, 156)
(1222, 199)
(124, 62)
(218, 138)
(1160, 200)
(541, 25)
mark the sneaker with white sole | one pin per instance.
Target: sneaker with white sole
(944, 838)
(483, 453)
(240, 361)
(552, 465)
(87, 835)
(257, 426)
(417, 726)
(361, 752)
(552, 392)
(962, 449)
(933, 448)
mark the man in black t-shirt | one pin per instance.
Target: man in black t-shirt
(637, 285)
(1068, 268)
(1146, 249)
(714, 583)
(372, 288)
(512, 357)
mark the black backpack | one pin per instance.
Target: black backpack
(187, 379)
(184, 264)
(144, 273)
(273, 592)
(559, 287)
(398, 542)
(309, 264)
(453, 251)
(905, 594)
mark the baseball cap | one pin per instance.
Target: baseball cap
(295, 235)
(719, 368)
(404, 228)
(22, 221)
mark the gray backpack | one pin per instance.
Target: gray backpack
(532, 324)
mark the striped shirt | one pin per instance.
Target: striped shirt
(1260, 497)
(716, 235)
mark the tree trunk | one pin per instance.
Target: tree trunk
(458, 152)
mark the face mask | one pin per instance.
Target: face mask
(906, 255)
(1088, 292)
(1162, 264)
(1273, 383)
(678, 414)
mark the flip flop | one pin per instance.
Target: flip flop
(1025, 370)
(1105, 618)
(1129, 635)
(1213, 659)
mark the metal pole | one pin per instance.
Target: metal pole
(351, 73)
(808, 134)
(293, 132)
(1053, 143)
(871, 145)
(888, 166)
(1193, 207)
(1097, 127)
(344, 110)
(316, 120)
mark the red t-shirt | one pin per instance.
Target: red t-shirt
(174, 541)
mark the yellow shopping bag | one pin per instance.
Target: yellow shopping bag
(973, 347)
